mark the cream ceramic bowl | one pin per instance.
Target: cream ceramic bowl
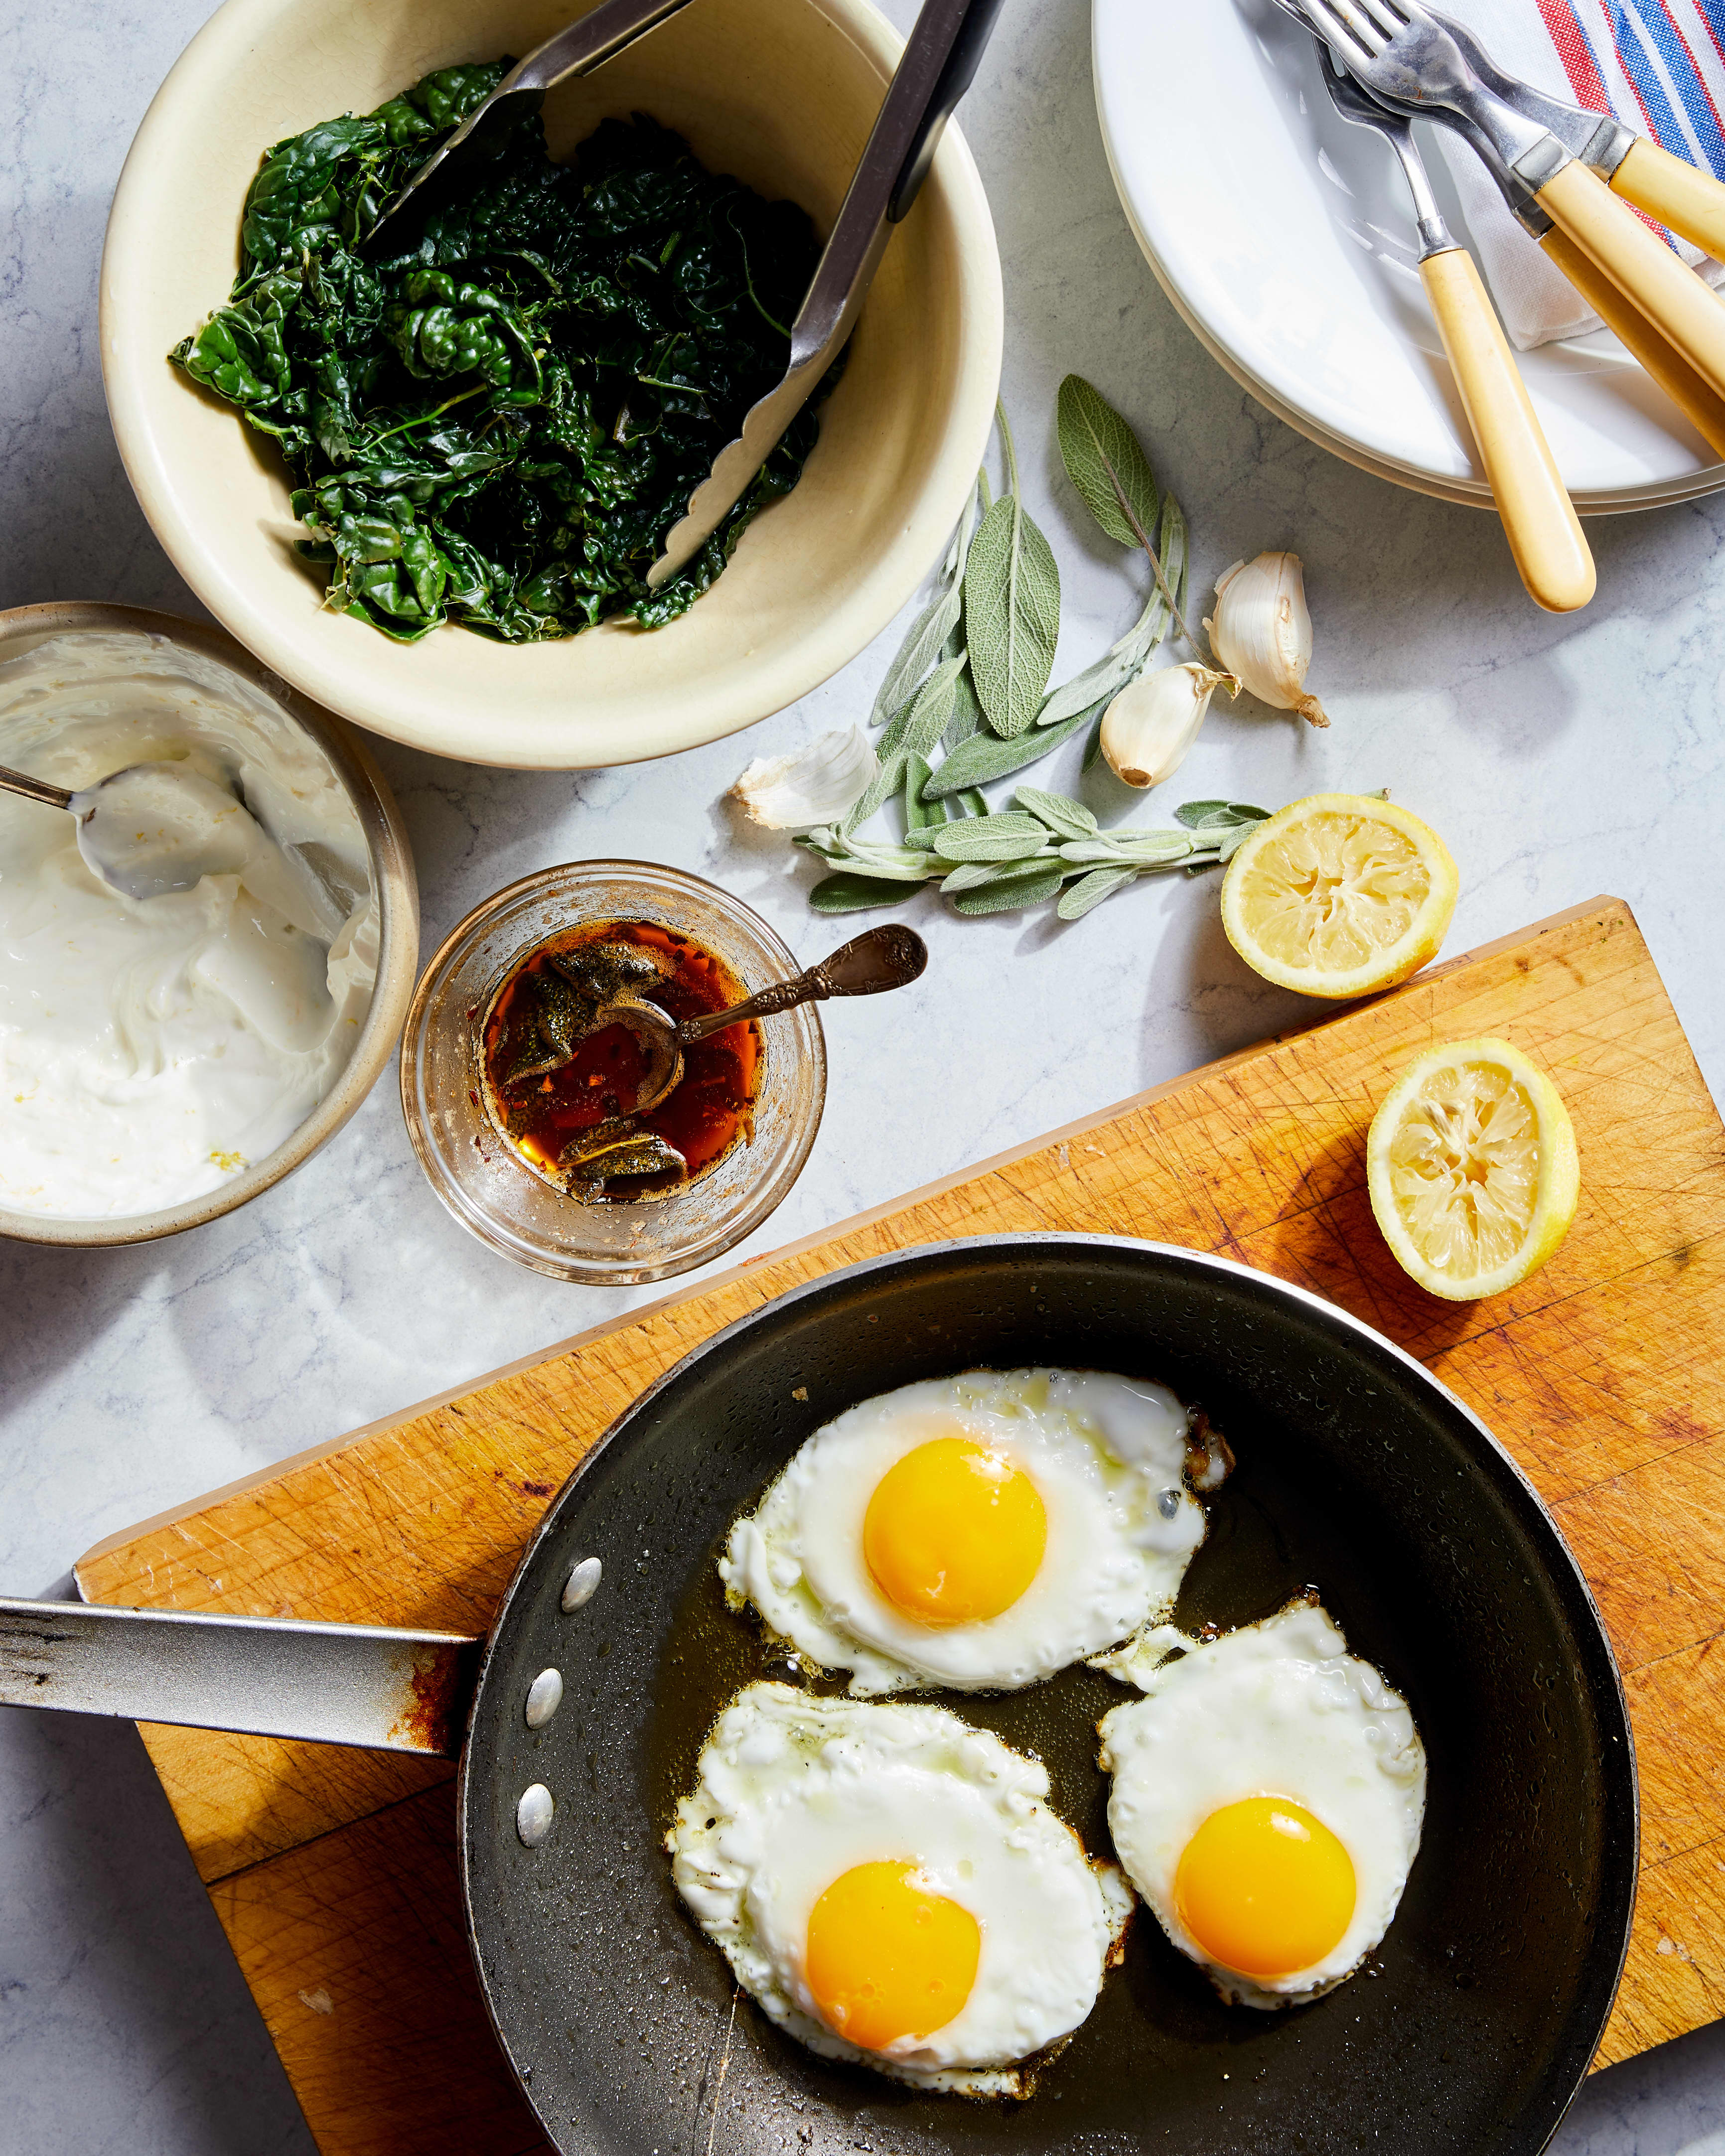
(398, 918)
(781, 92)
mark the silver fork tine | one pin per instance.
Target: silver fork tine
(1388, 19)
(1335, 33)
(1370, 32)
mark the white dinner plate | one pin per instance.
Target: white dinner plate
(1286, 239)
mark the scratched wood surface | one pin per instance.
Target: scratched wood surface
(334, 1871)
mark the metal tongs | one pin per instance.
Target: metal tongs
(940, 58)
(1548, 158)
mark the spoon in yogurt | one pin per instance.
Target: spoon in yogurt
(153, 827)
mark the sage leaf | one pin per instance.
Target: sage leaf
(931, 707)
(1030, 885)
(1012, 616)
(1007, 837)
(1233, 842)
(1070, 818)
(1093, 747)
(978, 761)
(1105, 463)
(971, 801)
(920, 814)
(921, 647)
(845, 893)
(970, 874)
(1122, 663)
(1089, 892)
(914, 733)
(966, 711)
(1150, 847)
(1195, 814)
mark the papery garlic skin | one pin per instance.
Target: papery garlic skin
(1261, 633)
(817, 785)
(1151, 724)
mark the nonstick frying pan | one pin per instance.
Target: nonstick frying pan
(1472, 2025)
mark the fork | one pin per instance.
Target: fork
(1539, 519)
(1400, 52)
(1672, 192)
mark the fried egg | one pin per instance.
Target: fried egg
(977, 1533)
(1267, 1800)
(890, 1885)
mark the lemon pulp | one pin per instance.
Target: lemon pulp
(1339, 894)
(1472, 1169)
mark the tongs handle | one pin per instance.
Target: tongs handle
(1703, 407)
(1691, 202)
(934, 71)
(1539, 519)
(1613, 238)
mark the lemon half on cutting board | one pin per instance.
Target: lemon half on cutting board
(1339, 894)
(1472, 1169)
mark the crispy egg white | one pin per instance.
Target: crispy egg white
(1268, 1791)
(1093, 1464)
(799, 1797)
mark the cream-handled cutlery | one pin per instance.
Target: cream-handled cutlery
(1597, 137)
(1599, 141)
(1702, 406)
(1691, 202)
(1399, 51)
(1539, 519)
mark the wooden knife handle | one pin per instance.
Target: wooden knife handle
(1539, 519)
(1615, 241)
(1690, 201)
(1703, 407)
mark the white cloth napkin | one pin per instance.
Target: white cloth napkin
(1657, 65)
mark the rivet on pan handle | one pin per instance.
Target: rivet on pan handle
(272, 1677)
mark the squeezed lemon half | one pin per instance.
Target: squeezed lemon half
(1472, 1169)
(1339, 894)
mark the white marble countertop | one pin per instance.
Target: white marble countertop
(1559, 758)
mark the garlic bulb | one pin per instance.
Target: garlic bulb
(816, 786)
(1262, 633)
(1152, 723)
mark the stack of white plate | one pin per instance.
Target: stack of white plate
(1286, 239)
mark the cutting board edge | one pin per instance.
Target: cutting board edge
(834, 1231)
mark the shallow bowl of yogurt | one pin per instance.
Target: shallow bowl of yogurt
(164, 1060)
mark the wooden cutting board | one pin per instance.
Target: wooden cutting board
(334, 1871)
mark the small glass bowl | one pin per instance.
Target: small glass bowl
(483, 1180)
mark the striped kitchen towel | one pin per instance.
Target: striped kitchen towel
(1658, 65)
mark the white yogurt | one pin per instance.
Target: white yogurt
(152, 1050)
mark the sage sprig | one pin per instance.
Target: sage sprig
(996, 609)
(1019, 857)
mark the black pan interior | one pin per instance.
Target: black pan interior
(1473, 2024)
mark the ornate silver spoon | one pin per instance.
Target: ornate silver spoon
(884, 958)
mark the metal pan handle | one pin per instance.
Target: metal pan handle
(270, 1676)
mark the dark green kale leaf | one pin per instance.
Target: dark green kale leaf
(498, 424)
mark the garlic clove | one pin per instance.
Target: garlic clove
(1149, 727)
(1261, 633)
(817, 785)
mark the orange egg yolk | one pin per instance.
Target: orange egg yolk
(886, 1958)
(1264, 1888)
(954, 1533)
